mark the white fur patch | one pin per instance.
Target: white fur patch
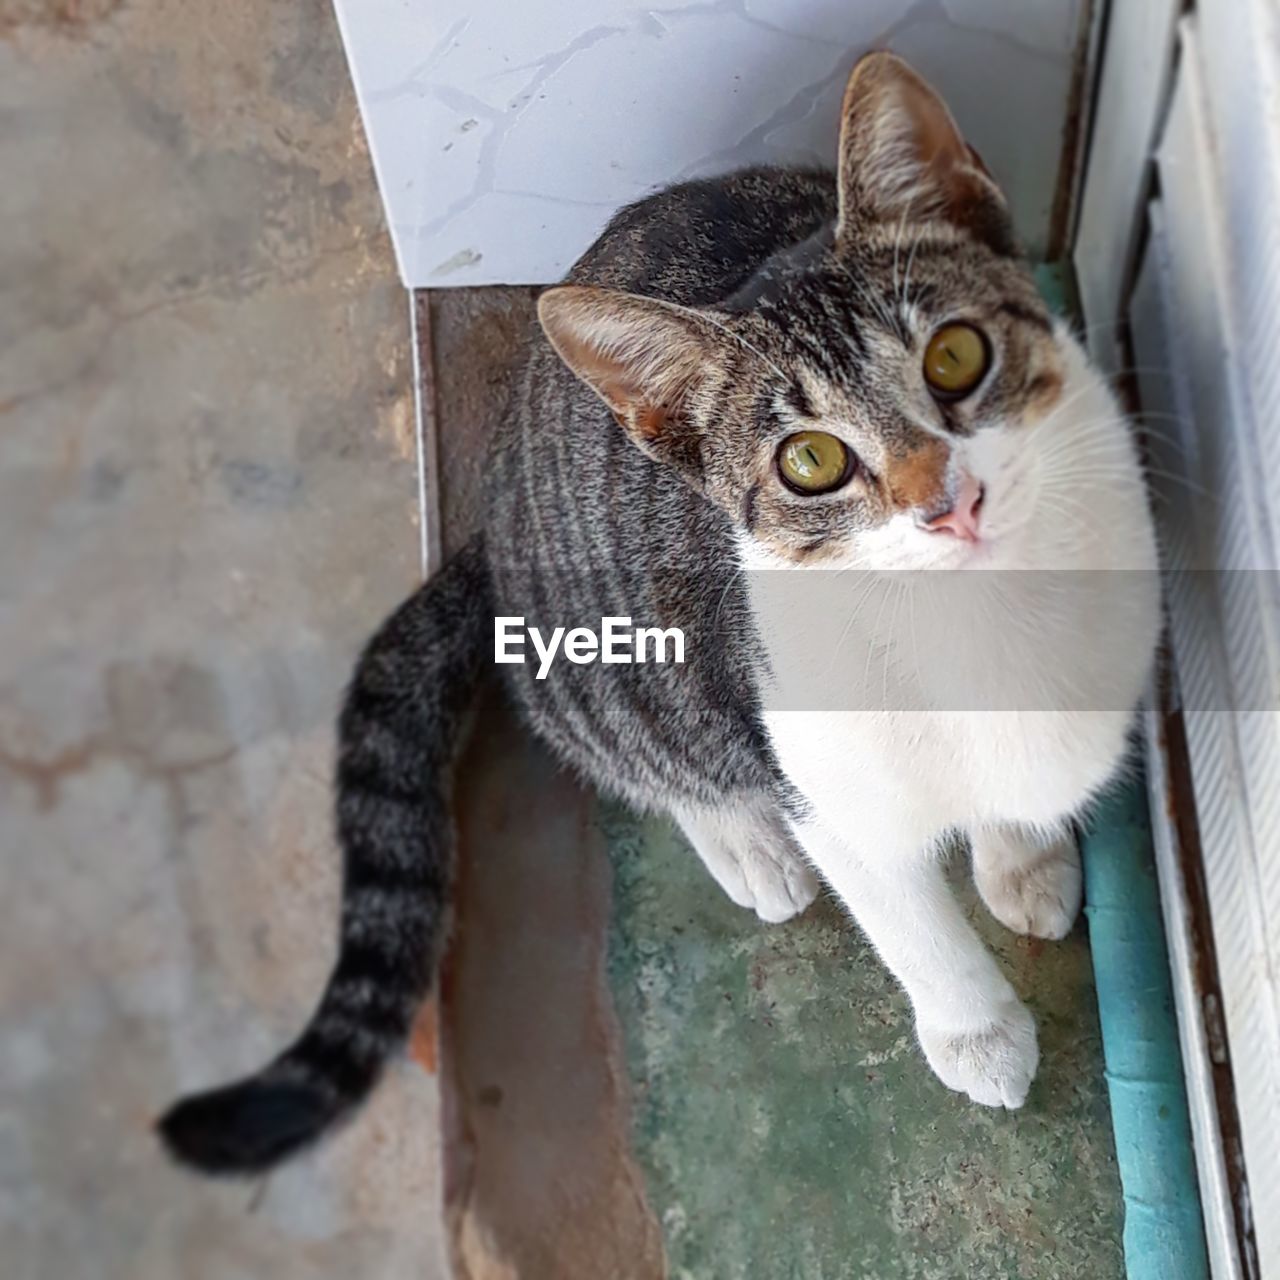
(927, 686)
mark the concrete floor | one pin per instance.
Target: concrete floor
(787, 1125)
(207, 498)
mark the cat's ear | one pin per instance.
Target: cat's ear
(903, 157)
(644, 358)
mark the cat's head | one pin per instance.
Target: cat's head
(892, 394)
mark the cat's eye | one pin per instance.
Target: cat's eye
(956, 360)
(814, 462)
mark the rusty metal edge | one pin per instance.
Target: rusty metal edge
(1197, 1028)
(1168, 745)
(1082, 95)
(1173, 804)
(426, 425)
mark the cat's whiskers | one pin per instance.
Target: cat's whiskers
(915, 639)
(1084, 469)
(737, 337)
(1076, 514)
(900, 291)
(890, 647)
(872, 637)
(905, 302)
(873, 303)
(855, 608)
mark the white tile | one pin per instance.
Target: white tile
(504, 136)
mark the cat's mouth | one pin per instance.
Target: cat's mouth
(974, 554)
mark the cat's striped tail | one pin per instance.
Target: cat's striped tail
(396, 740)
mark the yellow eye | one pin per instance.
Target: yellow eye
(955, 360)
(814, 462)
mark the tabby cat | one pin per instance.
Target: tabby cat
(824, 424)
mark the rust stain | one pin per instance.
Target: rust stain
(64, 17)
(47, 776)
(424, 1040)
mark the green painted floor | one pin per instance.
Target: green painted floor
(787, 1126)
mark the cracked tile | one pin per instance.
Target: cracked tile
(577, 114)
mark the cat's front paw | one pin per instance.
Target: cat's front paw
(993, 1061)
(1034, 890)
(753, 857)
(778, 889)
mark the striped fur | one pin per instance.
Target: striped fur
(397, 734)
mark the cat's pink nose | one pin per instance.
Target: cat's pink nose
(962, 520)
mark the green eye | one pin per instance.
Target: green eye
(955, 360)
(814, 462)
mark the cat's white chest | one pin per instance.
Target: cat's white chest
(938, 770)
(949, 702)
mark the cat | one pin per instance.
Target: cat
(824, 424)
